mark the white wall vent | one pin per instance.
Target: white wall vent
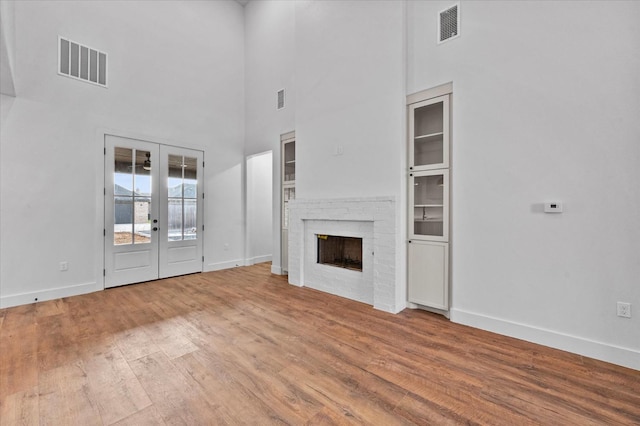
(280, 99)
(449, 23)
(81, 62)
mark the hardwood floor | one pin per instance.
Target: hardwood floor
(241, 346)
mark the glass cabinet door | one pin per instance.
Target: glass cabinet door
(288, 194)
(288, 170)
(289, 162)
(429, 195)
(429, 132)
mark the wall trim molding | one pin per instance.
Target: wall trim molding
(434, 92)
(625, 357)
(48, 294)
(258, 259)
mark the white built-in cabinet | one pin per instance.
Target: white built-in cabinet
(288, 142)
(429, 199)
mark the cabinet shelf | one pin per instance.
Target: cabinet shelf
(428, 220)
(290, 162)
(428, 205)
(430, 135)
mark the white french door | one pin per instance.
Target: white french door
(181, 202)
(153, 211)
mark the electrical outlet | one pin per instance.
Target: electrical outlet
(64, 266)
(624, 310)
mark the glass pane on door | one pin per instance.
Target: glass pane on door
(122, 228)
(123, 196)
(182, 198)
(142, 198)
(428, 134)
(175, 176)
(190, 202)
(289, 162)
(428, 209)
(175, 219)
(123, 171)
(142, 176)
(190, 230)
(289, 193)
(132, 196)
(142, 220)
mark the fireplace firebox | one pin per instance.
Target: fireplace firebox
(342, 252)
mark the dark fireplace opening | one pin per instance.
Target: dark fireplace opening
(343, 252)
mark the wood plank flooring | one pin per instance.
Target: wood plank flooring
(241, 346)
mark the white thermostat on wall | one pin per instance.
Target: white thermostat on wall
(553, 207)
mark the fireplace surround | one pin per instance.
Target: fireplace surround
(374, 219)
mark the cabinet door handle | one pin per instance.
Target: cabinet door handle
(411, 168)
(409, 241)
(410, 174)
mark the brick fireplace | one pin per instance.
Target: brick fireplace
(373, 221)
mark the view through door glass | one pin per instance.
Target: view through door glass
(182, 197)
(132, 197)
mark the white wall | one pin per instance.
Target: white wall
(259, 208)
(350, 93)
(51, 141)
(269, 59)
(546, 106)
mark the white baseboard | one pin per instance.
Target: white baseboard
(387, 308)
(602, 351)
(224, 265)
(48, 294)
(276, 269)
(258, 259)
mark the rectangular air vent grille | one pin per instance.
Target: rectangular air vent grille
(82, 62)
(280, 99)
(449, 24)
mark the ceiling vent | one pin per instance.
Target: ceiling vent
(82, 62)
(449, 24)
(280, 99)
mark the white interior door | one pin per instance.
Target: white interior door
(181, 201)
(153, 211)
(131, 211)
